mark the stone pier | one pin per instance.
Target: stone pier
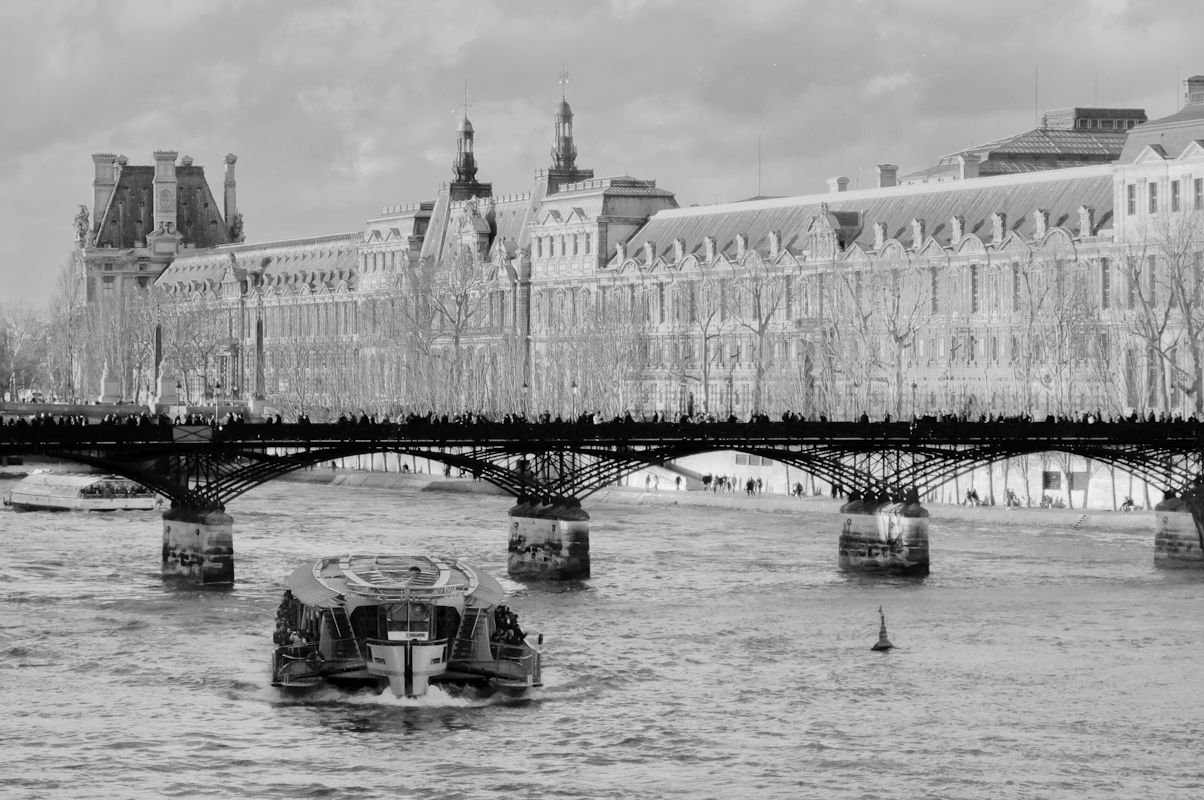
(1178, 540)
(881, 536)
(198, 545)
(549, 541)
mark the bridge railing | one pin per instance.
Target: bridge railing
(609, 433)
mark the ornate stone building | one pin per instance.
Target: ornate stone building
(1035, 285)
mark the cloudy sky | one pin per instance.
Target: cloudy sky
(337, 109)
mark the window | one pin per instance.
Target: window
(108, 285)
(660, 301)
(994, 348)
(1105, 284)
(1153, 197)
(574, 244)
(1199, 185)
(789, 297)
(1015, 287)
(587, 244)
(1131, 195)
(973, 288)
(935, 289)
(1174, 195)
(539, 247)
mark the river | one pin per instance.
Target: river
(713, 654)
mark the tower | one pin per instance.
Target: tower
(465, 165)
(564, 152)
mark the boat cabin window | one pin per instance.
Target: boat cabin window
(409, 621)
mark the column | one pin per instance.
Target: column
(198, 545)
(549, 541)
(1178, 541)
(878, 535)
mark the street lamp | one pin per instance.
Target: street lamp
(574, 388)
(526, 392)
(217, 401)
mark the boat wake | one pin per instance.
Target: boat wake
(435, 697)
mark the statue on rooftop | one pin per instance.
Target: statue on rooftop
(81, 225)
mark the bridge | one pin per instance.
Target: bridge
(551, 467)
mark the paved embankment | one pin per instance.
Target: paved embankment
(1094, 519)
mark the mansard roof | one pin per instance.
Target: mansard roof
(616, 186)
(130, 213)
(279, 259)
(1173, 133)
(1038, 150)
(1060, 193)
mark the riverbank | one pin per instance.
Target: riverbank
(1061, 518)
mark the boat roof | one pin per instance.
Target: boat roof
(73, 479)
(388, 578)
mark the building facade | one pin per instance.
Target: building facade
(1053, 282)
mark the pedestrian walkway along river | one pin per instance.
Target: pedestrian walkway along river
(713, 653)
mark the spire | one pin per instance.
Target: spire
(564, 152)
(465, 165)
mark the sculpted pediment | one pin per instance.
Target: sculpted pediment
(856, 255)
(932, 249)
(893, 249)
(970, 244)
(1013, 243)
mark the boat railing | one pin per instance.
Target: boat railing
(508, 656)
(296, 662)
(397, 594)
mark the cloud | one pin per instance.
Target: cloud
(338, 109)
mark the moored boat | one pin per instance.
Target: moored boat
(69, 491)
(401, 621)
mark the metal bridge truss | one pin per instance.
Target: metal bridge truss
(203, 468)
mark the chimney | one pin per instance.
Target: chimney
(649, 253)
(836, 185)
(1040, 223)
(968, 164)
(679, 250)
(164, 199)
(103, 185)
(917, 233)
(775, 244)
(231, 207)
(708, 245)
(888, 175)
(741, 245)
(999, 227)
(1194, 95)
(957, 228)
(879, 236)
(1086, 221)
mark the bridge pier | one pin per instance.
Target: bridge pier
(549, 541)
(198, 545)
(881, 536)
(1178, 535)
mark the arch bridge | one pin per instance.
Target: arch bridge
(551, 467)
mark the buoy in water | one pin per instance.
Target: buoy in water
(883, 642)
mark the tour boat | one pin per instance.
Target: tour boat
(67, 491)
(401, 621)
